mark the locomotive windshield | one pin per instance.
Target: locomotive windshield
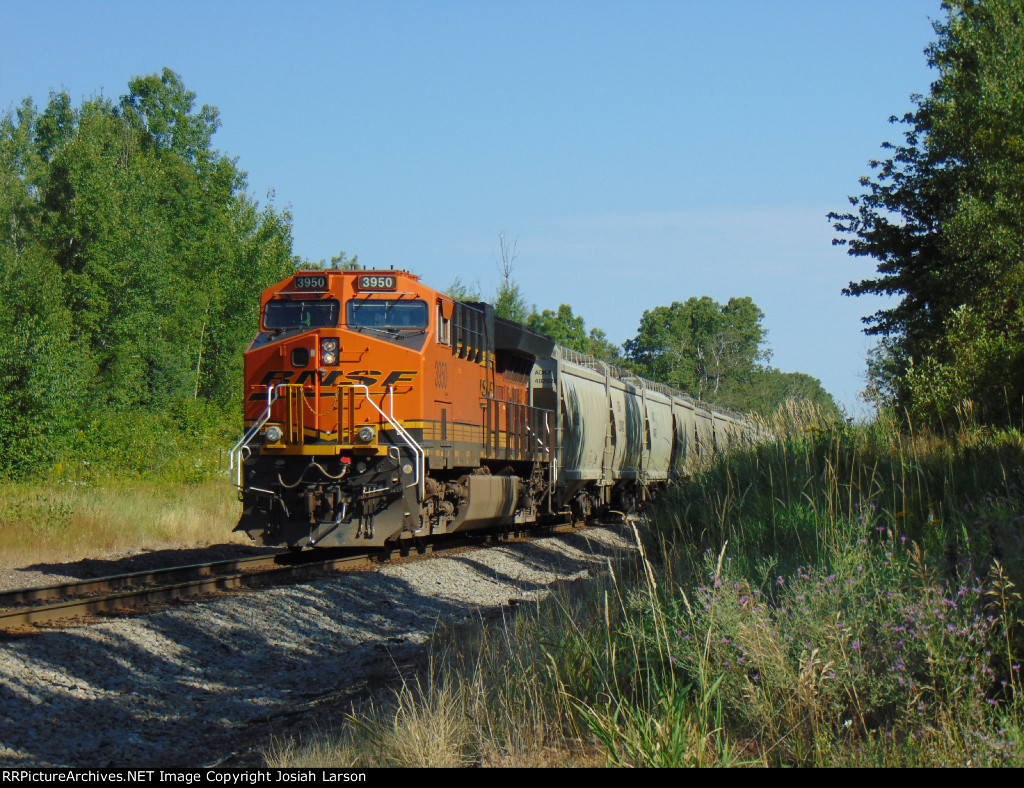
(386, 313)
(301, 314)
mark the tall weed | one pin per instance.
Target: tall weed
(837, 595)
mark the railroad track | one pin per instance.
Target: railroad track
(26, 608)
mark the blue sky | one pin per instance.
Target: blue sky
(641, 152)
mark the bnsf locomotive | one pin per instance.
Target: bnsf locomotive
(379, 410)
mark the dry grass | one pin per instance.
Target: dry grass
(838, 596)
(420, 728)
(528, 692)
(60, 521)
(489, 698)
(327, 749)
(426, 727)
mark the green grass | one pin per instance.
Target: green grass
(67, 520)
(130, 484)
(853, 593)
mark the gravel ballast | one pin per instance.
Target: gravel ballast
(190, 684)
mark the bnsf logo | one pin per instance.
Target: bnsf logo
(364, 377)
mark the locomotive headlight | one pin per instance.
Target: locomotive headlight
(329, 351)
(274, 433)
(367, 434)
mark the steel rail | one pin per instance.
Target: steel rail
(145, 578)
(216, 576)
(260, 571)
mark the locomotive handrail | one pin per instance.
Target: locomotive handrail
(421, 456)
(249, 434)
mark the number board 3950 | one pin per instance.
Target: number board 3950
(377, 282)
(310, 282)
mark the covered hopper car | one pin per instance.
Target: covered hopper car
(379, 410)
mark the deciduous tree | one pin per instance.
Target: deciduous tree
(943, 216)
(130, 256)
(509, 302)
(700, 345)
(570, 330)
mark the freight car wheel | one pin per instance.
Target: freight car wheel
(628, 503)
(580, 510)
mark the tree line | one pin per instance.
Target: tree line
(129, 255)
(716, 352)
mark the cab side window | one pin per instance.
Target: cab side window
(444, 327)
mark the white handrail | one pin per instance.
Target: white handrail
(421, 472)
(246, 439)
(421, 455)
(553, 459)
